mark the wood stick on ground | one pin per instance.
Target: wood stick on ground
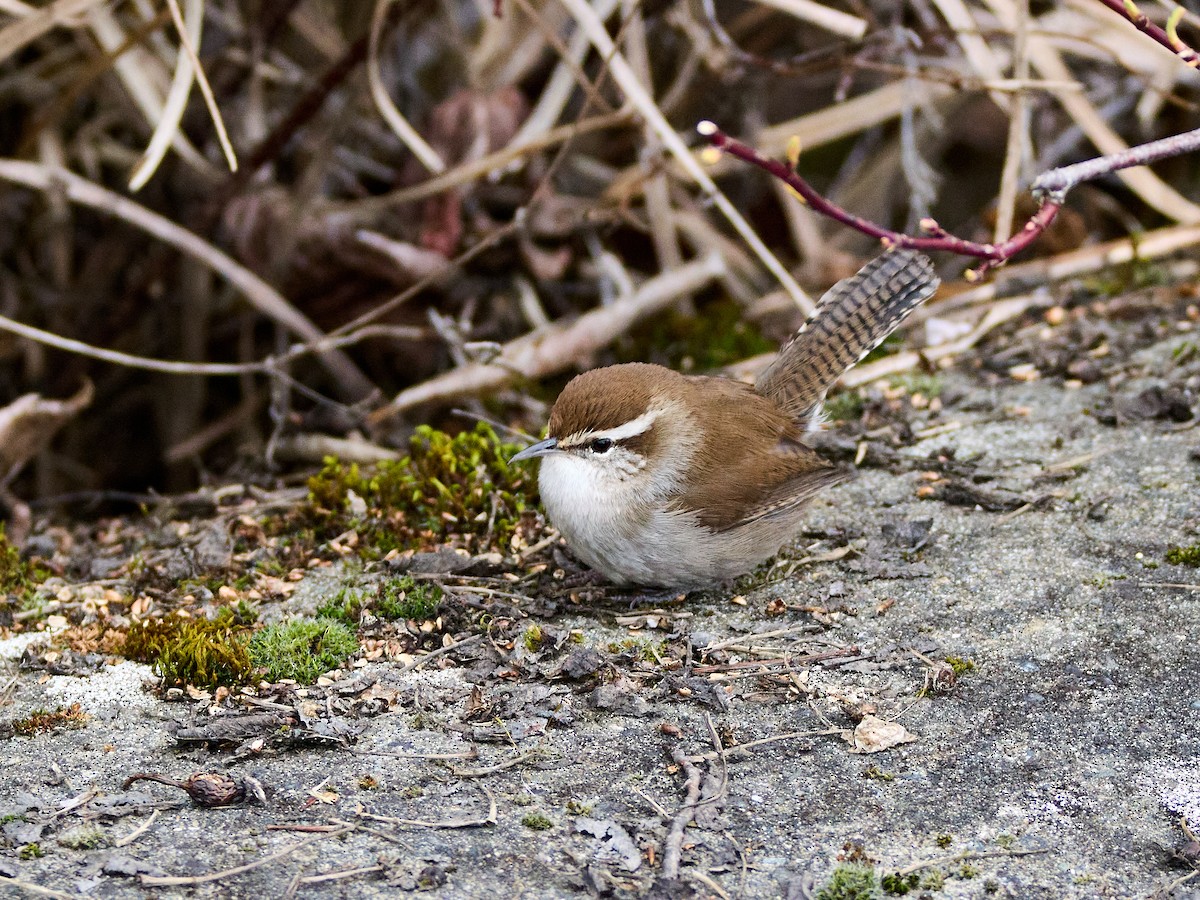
(499, 767)
(489, 819)
(774, 739)
(339, 875)
(673, 844)
(137, 832)
(965, 857)
(180, 880)
(35, 889)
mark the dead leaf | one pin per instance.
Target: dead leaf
(874, 735)
(323, 794)
(613, 843)
(28, 423)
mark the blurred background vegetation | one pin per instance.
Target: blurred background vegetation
(431, 179)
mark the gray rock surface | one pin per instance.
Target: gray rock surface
(1076, 735)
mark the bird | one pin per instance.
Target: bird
(665, 480)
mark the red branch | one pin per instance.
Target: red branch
(1129, 10)
(939, 238)
(1049, 190)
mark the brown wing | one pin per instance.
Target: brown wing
(795, 492)
(852, 319)
(758, 467)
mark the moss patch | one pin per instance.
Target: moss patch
(399, 598)
(845, 406)
(1184, 556)
(18, 580)
(302, 649)
(200, 652)
(43, 721)
(960, 665)
(851, 881)
(537, 821)
(407, 598)
(346, 606)
(715, 337)
(899, 885)
(456, 490)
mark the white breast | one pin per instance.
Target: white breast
(610, 525)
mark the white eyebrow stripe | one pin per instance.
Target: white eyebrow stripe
(632, 428)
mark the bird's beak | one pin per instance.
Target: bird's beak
(541, 448)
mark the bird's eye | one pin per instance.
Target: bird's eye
(600, 445)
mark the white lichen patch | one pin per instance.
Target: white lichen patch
(120, 685)
(1177, 786)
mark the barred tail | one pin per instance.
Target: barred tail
(852, 319)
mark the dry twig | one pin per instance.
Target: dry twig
(260, 294)
(673, 844)
(560, 346)
(182, 880)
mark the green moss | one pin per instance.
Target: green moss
(32, 851)
(960, 665)
(967, 872)
(934, 880)
(458, 488)
(877, 774)
(537, 821)
(407, 598)
(850, 881)
(639, 649)
(18, 578)
(919, 383)
(845, 406)
(42, 721)
(244, 613)
(579, 807)
(716, 336)
(944, 840)
(399, 598)
(1184, 556)
(84, 837)
(346, 606)
(200, 652)
(532, 638)
(899, 885)
(302, 649)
